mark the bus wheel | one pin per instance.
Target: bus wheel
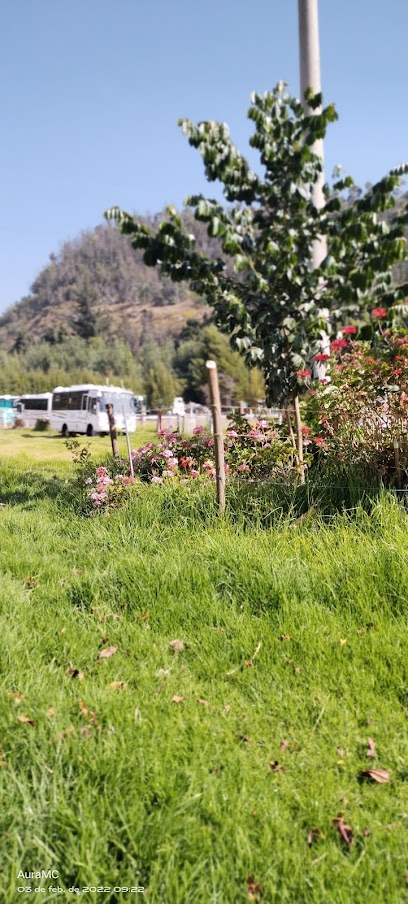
(65, 431)
(89, 430)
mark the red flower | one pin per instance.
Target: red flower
(337, 344)
(306, 431)
(321, 357)
(378, 312)
(304, 373)
(349, 330)
(319, 440)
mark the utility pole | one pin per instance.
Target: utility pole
(309, 52)
(310, 78)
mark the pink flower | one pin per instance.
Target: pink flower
(349, 330)
(232, 433)
(337, 344)
(157, 480)
(322, 357)
(304, 374)
(243, 467)
(378, 312)
(194, 472)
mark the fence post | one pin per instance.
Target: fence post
(217, 432)
(112, 431)
(397, 464)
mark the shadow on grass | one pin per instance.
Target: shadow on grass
(30, 487)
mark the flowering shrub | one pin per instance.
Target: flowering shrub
(104, 491)
(362, 413)
(258, 451)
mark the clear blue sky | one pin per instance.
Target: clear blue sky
(92, 91)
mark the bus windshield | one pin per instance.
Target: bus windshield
(119, 400)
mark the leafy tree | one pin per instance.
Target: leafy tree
(267, 298)
(160, 386)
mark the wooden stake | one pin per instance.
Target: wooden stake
(397, 464)
(112, 431)
(215, 404)
(299, 437)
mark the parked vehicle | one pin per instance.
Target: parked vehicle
(82, 409)
(33, 408)
(7, 411)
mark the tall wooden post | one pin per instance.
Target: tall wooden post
(112, 431)
(215, 403)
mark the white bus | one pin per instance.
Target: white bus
(82, 409)
(33, 408)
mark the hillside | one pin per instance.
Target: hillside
(98, 278)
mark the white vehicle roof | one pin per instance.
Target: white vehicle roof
(36, 395)
(87, 386)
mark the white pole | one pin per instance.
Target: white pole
(310, 78)
(309, 52)
(132, 473)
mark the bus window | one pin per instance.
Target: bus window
(92, 405)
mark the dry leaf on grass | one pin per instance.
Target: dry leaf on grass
(177, 646)
(62, 734)
(73, 672)
(381, 776)
(51, 712)
(17, 697)
(254, 890)
(143, 616)
(313, 835)
(276, 767)
(285, 637)
(203, 702)
(116, 685)
(283, 745)
(26, 720)
(107, 652)
(87, 730)
(371, 748)
(87, 713)
(345, 831)
(177, 699)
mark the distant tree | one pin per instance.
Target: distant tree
(269, 300)
(160, 386)
(86, 322)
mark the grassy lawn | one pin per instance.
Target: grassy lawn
(210, 770)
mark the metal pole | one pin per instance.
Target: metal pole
(309, 52)
(217, 430)
(310, 78)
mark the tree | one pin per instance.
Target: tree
(160, 386)
(270, 300)
(86, 324)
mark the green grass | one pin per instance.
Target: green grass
(293, 632)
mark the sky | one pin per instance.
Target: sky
(91, 92)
